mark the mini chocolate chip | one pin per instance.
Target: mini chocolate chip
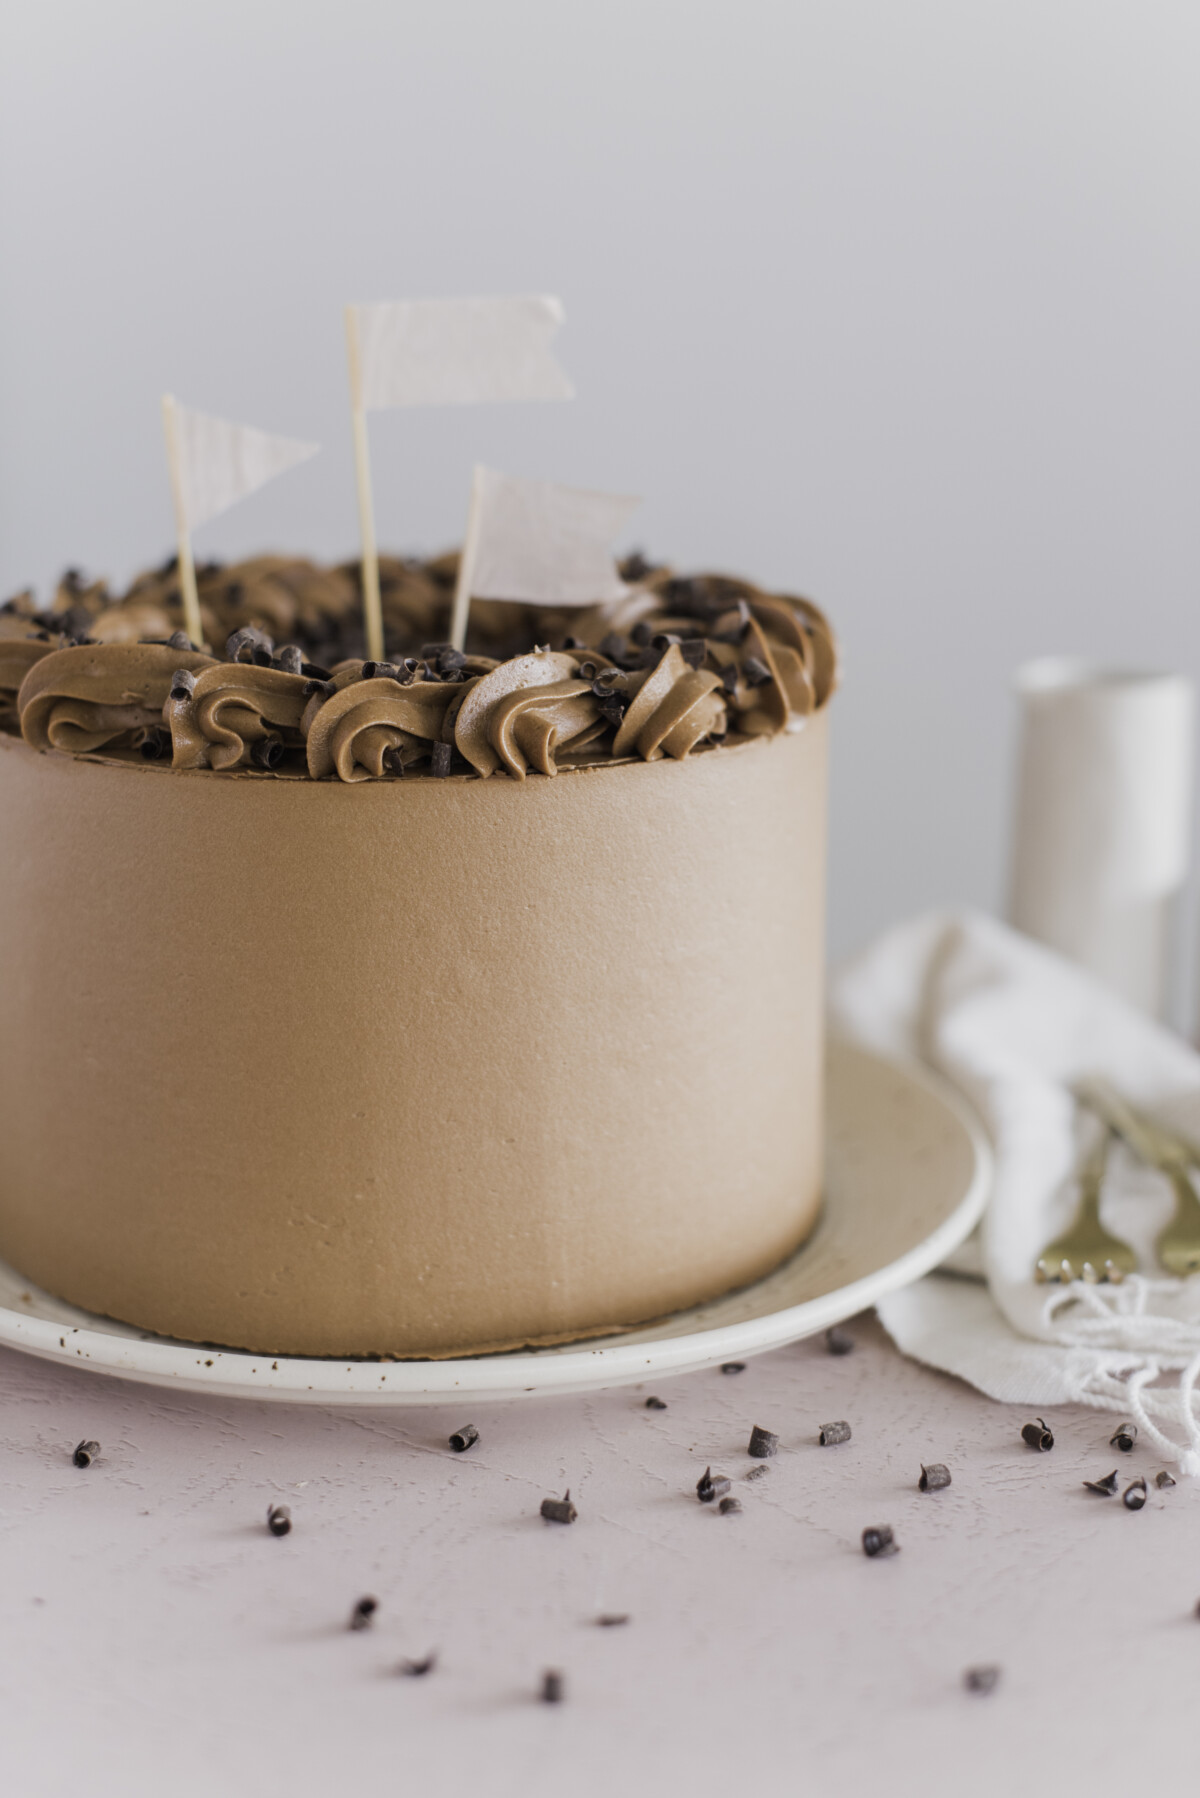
(879, 1540)
(1124, 1438)
(440, 763)
(251, 638)
(729, 678)
(694, 652)
(363, 1613)
(763, 1444)
(730, 1507)
(830, 1434)
(1105, 1487)
(279, 1520)
(85, 1453)
(755, 671)
(839, 1342)
(981, 1679)
(656, 1404)
(934, 1478)
(1134, 1495)
(467, 1437)
(1038, 1435)
(76, 621)
(553, 1689)
(711, 1485)
(559, 1510)
(155, 744)
(417, 1669)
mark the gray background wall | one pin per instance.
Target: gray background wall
(891, 301)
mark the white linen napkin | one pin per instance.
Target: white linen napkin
(1011, 1025)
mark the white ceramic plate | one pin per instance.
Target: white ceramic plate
(907, 1178)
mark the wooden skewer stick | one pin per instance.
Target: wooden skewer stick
(372, 609)
(187, 567)
(466, 569)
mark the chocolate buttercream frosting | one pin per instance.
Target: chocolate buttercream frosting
(369, 728)
(519, 715)
(230, 711)
(440, 1067)
(100, 695)
(677, 665)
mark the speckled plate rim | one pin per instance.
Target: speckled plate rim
(681, 1344)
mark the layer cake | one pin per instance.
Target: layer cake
(416, 1008)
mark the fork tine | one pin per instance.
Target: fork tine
(1173, 1156)
(1086, 1250)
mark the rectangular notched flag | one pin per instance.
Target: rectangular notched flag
(541, 543)
(458, 352)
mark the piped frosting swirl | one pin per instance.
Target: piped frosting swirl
(101, 695)
(524, 712)
(234, 715)
(370, 728)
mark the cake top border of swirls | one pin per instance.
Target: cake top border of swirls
(676, 666)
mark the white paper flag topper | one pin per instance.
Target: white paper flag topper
(547, 545)
(220, 462)
(459, 352)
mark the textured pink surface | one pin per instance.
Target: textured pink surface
(156, 1640)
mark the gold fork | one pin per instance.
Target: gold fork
(1178, 1244)
(1088, 1251)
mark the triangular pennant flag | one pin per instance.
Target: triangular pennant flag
(219, 462)
(458, 352)
(544, 544)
